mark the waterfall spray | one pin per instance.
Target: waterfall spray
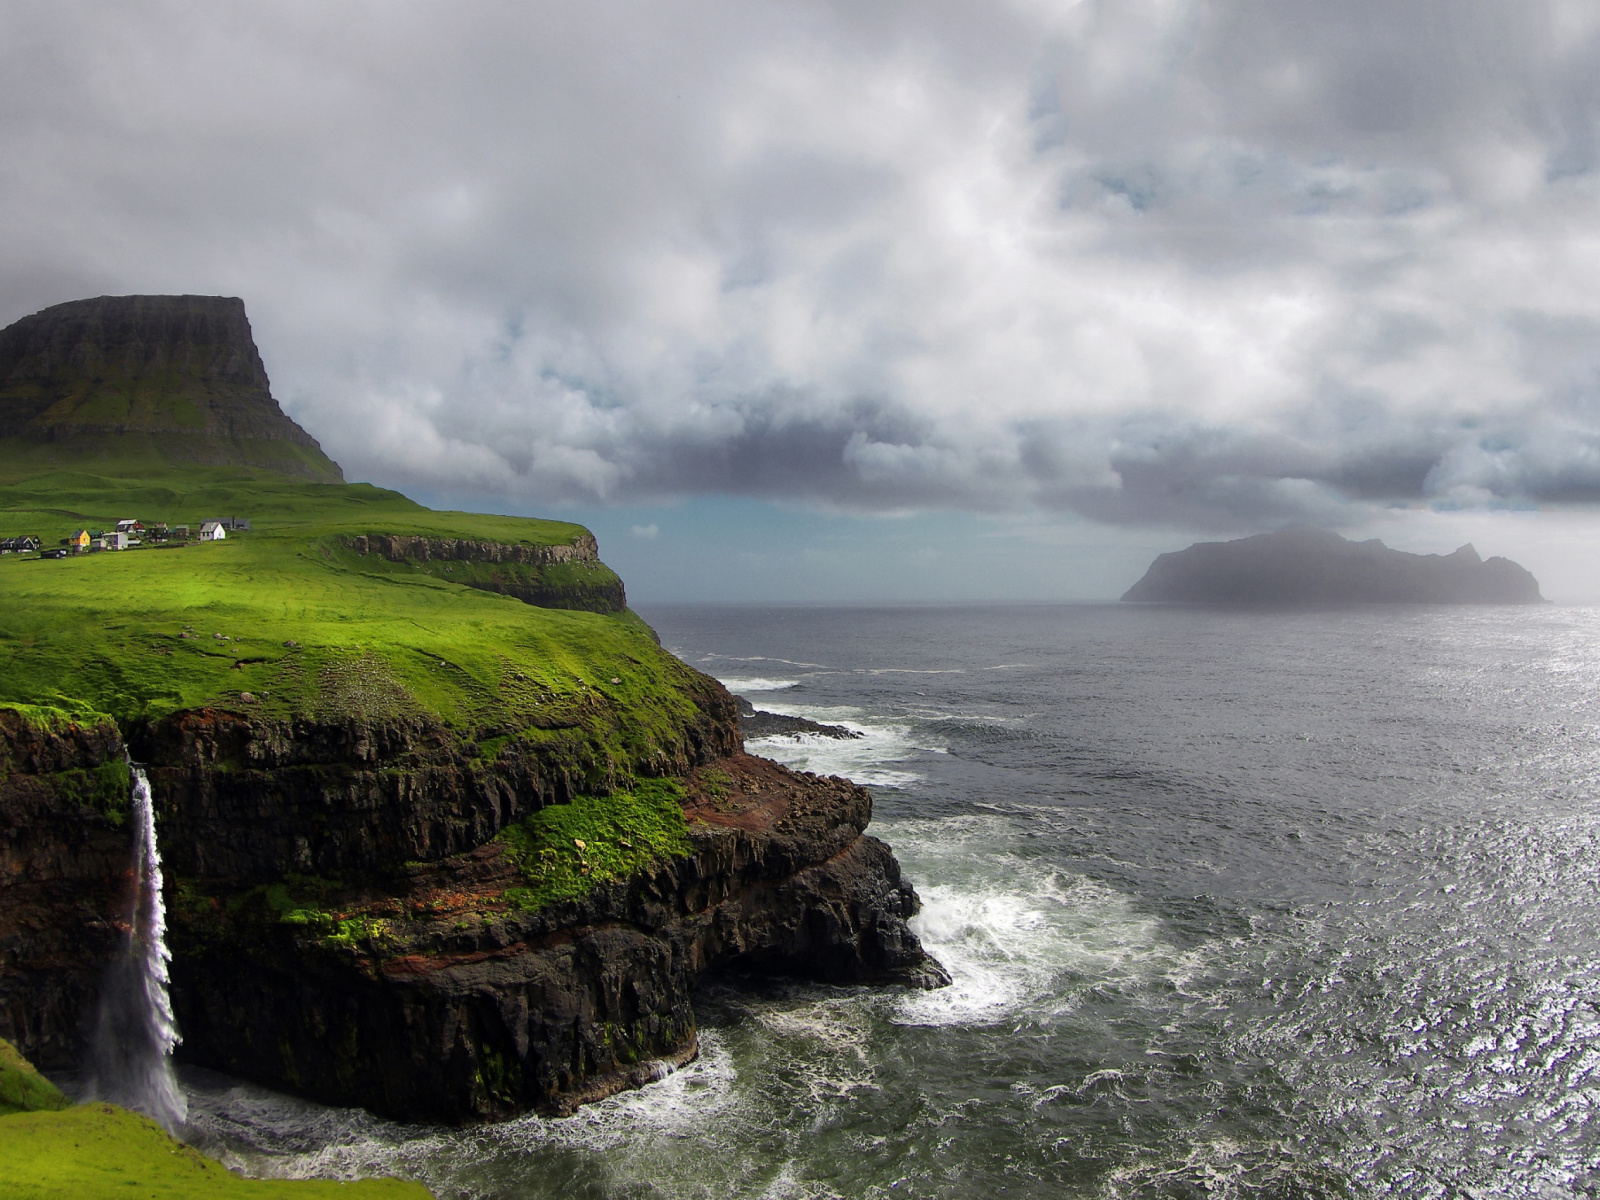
(131, 1055)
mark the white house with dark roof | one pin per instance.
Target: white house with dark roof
(212, 531)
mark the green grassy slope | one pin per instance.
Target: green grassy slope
(48, 1149)
(98, 1151)
(304, 625)
(22, 1088)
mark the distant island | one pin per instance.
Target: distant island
(1305, 565)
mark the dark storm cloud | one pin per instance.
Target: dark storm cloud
(1218, 265)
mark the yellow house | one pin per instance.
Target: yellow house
(80, 540)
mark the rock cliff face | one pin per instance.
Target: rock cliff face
(176, 376)
(561, 576)
(1314, 566)
(423, 987)
(64, 863)
(455, 1005)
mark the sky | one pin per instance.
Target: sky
(804, 301)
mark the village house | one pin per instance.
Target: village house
(18, 545)
(80, 541)
(110, 541)
(129, 527)
(212, 531)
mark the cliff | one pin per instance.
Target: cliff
(448, 995)
(365, 913)
(1315, 566)
(447, 833)
(174, 379)
(64, 789)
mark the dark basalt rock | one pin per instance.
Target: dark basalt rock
(172, 377)
(465, 1008)
(1302, 565)
(64, 869)
(423, 991)
(757, 723)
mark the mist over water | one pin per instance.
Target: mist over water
(1235, 905)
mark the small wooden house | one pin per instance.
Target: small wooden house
(212, 531)
(80, 540)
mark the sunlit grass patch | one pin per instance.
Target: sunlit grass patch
(565, 850)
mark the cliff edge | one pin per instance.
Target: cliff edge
(1308, 566)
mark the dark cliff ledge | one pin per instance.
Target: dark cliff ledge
(160, 378)
(64, 857)
(349, 920)
(567, 576)
(1314, 566)
(441, 999)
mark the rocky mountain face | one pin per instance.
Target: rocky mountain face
(176, 378)
(1315, 566)
(64, 862)
(422, 988)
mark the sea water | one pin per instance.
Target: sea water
(1235, 904)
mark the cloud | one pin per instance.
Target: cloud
(648, 532)
(1215, 264)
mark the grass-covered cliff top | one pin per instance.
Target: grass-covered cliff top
(290, 616)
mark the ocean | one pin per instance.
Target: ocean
(1237, 904)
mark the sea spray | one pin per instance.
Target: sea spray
(131, 1054)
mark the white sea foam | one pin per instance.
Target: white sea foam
(873, 759)
(296, 1139)
(788, 662)
(1017, 934)
(744, 684)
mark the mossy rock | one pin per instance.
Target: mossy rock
(22, 1088)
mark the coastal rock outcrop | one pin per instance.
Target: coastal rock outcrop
(421, 983)
(758, 723)
(1304, 565)
(453, 1004)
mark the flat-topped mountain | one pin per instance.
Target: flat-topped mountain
(166, 379)
(1303, 565)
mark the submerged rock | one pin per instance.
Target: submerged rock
(756, 723)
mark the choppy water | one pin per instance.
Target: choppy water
(1236, 905)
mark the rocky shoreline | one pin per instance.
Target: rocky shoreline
(757, 723)
(424, 990)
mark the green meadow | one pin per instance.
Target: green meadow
(286, 621)
(99, 1151)
(52, 1150)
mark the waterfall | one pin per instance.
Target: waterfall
(131, 1054)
